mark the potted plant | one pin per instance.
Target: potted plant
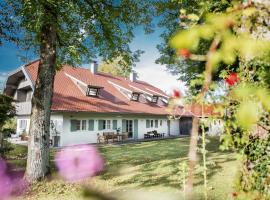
(24, 136)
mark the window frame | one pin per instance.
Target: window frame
(154, 98)
(23, 122)
(90, 89)
(135, 94)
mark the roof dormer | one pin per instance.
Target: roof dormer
(135, 96)
(93, 91)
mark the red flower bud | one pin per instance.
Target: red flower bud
(232, 79)
(185, 53)
(234, 194)
(176, 93)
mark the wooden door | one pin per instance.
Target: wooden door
(185, 125)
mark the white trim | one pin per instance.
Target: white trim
(118, 87)
(141, 90)
(75, 79)
(157, 93)
(28, 77)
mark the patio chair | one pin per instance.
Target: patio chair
(100, 138)
(156, 134)
(124, 136)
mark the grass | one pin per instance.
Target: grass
(148, 169)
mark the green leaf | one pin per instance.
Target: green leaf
(186, 39)
(247, 114)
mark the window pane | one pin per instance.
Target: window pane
(83, 124)
(160, 123)
(78, 125)
(156, 123)
(108, 124)
(91, 125)
(147, 123)
(152, 123)
(104, 124)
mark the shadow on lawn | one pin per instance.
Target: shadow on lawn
(157, 163)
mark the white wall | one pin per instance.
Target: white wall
(216, 127)
(174, 127)
(142, 126)
(58, 118)
(86, 136)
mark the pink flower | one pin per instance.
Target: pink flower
(5, 187)
(3, 166)
(79, 162)
(11, 181)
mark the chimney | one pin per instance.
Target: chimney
(133, 76)
(94, 67)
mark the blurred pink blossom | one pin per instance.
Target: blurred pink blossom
(3, 166)
(5, 187)
(79, 162)
(11, 181)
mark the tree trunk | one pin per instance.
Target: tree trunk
(192, 156)
(38, 145)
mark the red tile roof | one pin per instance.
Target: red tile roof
(68, 97)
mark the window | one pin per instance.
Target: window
(83, 125)
(154, 99)
(160, 123)
(23, 124)
(104, 124)
(91, 125)
(77, 125)
(147, 123)
(156, 123)
(135, 96)
(108, 124)
(152, 123)
(92, 91)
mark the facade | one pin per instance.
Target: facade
(87, 102)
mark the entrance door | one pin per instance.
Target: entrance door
(185, 125)
(129, 128)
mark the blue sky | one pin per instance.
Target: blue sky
(146, 68)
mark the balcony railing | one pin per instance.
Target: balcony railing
(23, 108)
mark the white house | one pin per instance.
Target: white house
(87, 102)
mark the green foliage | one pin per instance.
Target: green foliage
(85, 29)
(7, 109)
(238, 46)
(116, 67)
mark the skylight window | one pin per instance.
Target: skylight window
(92, 91)
(135, 96)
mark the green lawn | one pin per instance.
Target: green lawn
(147, 169)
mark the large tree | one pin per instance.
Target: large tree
(69, 32)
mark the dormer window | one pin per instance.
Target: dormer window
(135, 96)
(154, 99)
(92, 91)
